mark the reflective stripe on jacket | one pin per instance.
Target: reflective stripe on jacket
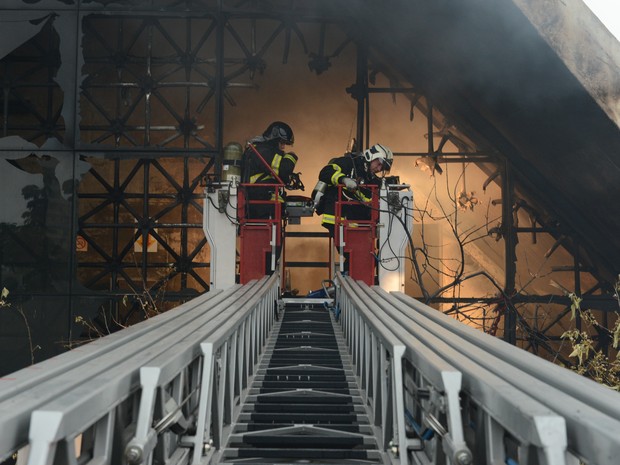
(276, 161)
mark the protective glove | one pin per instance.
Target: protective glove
(317, 197)
(349, 184)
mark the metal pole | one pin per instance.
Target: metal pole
(510, 318)
(219, 86)
(361, 94)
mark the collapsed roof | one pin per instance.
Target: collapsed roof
(540, 85)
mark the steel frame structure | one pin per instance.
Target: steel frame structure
(136, 109)
(143, 88)
(516, 329)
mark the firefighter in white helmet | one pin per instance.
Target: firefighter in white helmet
(353, 172)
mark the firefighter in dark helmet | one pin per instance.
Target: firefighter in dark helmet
(266, 160)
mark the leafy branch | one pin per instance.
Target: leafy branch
(591, 362)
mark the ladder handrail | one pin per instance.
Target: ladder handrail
(589, 424)
(580, 387)
(27, 377)
(81, 396)
(28, 389)
(206, 344)
(444, 378)
(506, 407)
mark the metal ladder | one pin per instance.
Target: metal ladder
(304, 403)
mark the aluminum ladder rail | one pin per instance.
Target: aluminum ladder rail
(517, 408)
(591, 411)
(170, 388)
(412, 367)
(162, 389)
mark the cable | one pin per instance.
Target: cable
(230, 218)
(387, 242)
(234, 207)
(414, 262)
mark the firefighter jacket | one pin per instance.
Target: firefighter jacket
(255, 171)
(351, 166)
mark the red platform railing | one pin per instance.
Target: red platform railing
(359, 235)
(260, 232)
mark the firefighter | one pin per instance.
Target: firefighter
(353, 172)
(266, 160)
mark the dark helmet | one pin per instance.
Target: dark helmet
(281, 131)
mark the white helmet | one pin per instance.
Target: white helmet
(381, 152)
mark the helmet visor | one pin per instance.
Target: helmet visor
(282, 135)
(386, 164)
